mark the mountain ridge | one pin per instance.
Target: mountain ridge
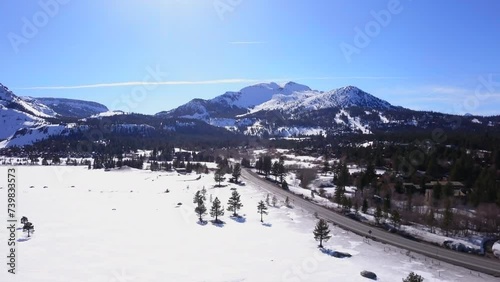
(263, 110)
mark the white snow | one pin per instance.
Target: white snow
(72, 104)
(366, 144)
(383, 118)
(33, 106)
(119, 225)
(38, 132)
(32, 135)
(315, 100)
(257, 94)
(353, 123)
(13, 120)
(108, 114)
(496, 249)
(36, 107)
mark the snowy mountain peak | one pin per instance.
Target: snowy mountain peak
(351, 96)
(253, 95)
(310, 100)
(6, 94)
(291, 87)
(26, 105)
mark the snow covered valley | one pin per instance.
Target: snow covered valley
(121, 226)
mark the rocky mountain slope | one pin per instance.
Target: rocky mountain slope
(72, 108)
(292, 109)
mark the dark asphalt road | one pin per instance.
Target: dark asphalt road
(473, 262)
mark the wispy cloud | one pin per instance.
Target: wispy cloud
(425, 90)
(247, 42)
(144, 83)
(447, 90)
(352, 77)
(197, 82)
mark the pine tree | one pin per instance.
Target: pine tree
(343, 175)
(321, 232)
(344, 203)
(378, 214)
(259, 165)
(28, 227)
(396, 218)
(267, 165)
(219, 176)
(339, 195)
(262, 209)
(364, 208)
(282, 170)
(431, 220)
(412, 277)
(448, 190)
(326, 167)
(287, 202)
(274, 201)
(198, 197)
(234, 203)
(437, 191)
(24, 220)
(275, 170)
(387, 205)
(399, 187)
(216, 210)
(284, 185)
(447, 217)
(236, 172)
(199, 200)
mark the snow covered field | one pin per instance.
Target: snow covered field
(120, 226)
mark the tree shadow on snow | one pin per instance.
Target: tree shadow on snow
(218, 223)
(239, 219)
(220, 186)
(23, 239)
(202, 223)
(335, 253)
(267, 224)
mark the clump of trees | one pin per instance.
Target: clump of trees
(265, 165)
(306, 176)
(413, 277)
(199, 200)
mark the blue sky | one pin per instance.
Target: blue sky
(439, 55)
